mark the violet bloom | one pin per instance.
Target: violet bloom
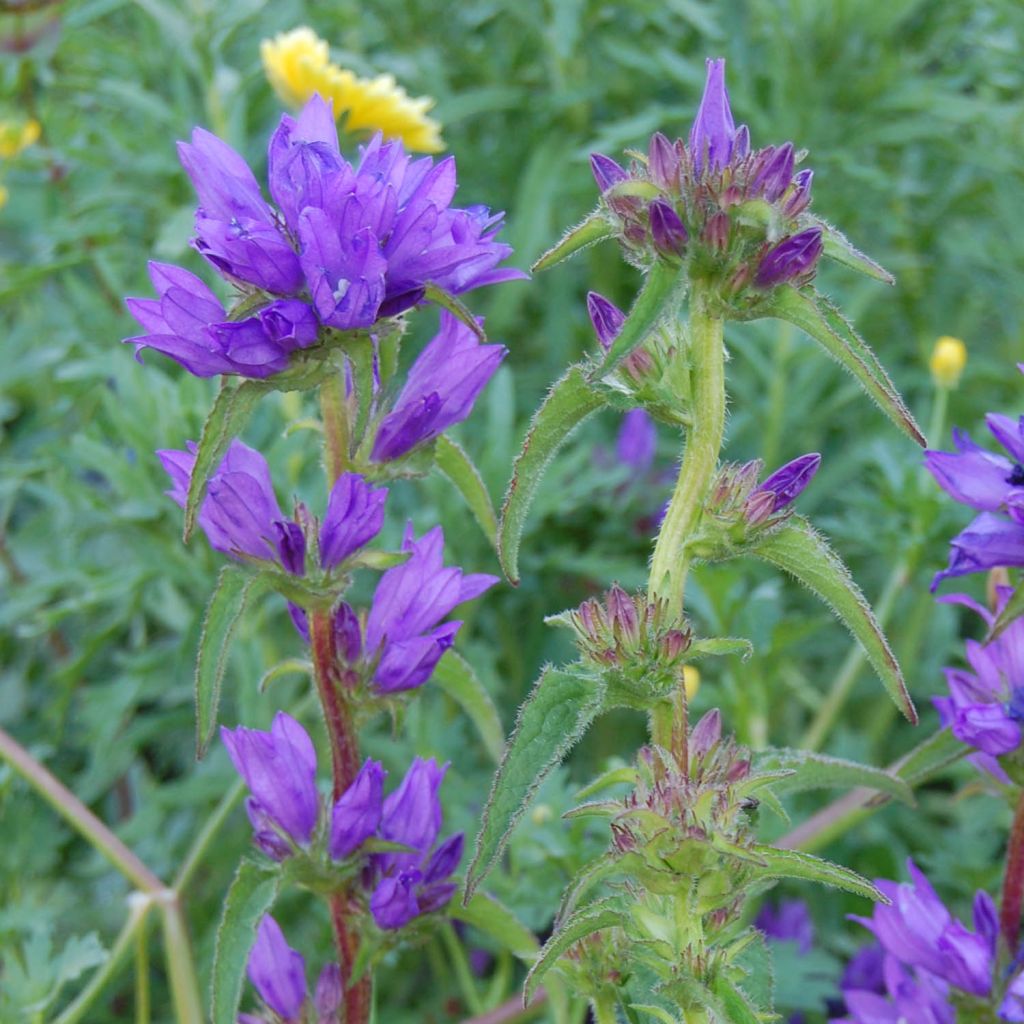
(402, 629)
(637, 442)
(787, 921)
(279, 767)
(780, 489)
(442, 385)
(908, 996)
(412, 883)
(713, 132)
(991, 541)
(793, 259)
(356, 813)
(241, 517)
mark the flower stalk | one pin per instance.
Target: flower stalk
(335, 424)
(1013, 883)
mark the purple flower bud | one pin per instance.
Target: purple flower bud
(606, 317)
(793, 257)
(277, 972)
(622, 616)
(291, 546)
(741, 143)
(782, 486)
(713, 131)
(637, 441)
(667, 230)
(775, 173)
(393, 903)
(264, 836)
(445, 860)
(674, 643)
(606, 171)
(800, 198)
(715, 233)
(357, 811)
(355, 514)
(279, 767)
(663, 163)
(705, 735)
(412, 814)
(348, 639)
(328, 995)
(864, 971)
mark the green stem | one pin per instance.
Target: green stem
(463, 975)
(336, 432)
(193, 858)
(937, 426)
(670, 564)
(188, 1007)
(142, 1015)
(604, 1008)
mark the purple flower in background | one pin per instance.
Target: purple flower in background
(864, 971)
(412, 883)
(787, 921)
(793, 258)
(713, 132)
(279, 767)
(442, 385)
(277, 972)
(188, 323)
(637, 441)
(906, 996)
(991, 541)
(356, 813)
(402, 629)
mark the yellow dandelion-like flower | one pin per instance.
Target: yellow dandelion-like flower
(16, 136)
(298, 65)
(949, 357)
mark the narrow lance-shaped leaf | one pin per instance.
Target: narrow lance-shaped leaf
(452, 460)
(839, 248)
(553, 717)
(251, 895)
(583, 923)
(235, 588)
(802, 552)
(231, 410)
(593, 229)
(810, 770)
(797, 864)
(817, 317)
(653, 304)
(455, 676)
(490, 916)
(569, 402)
(455, 306)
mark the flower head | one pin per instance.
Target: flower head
(277, 972)
(356, 813)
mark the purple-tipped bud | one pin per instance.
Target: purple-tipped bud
(674, 643)
(606, 171)
(355, 514)
(716, 232)
(775, 174)
(800, 198)
(638, 365)
(738, 770)
(328, 995)
(668, 231)
(277, 972)
(789, 480)
(606, 317)
(759, 507)
(741, 143)
(357, 811)
(291, 546)
(347, 634)
(713, 131)
(622, 615)
(706, 734)
(264, 836)
(663, 163)
(627, 208)
(791, 258)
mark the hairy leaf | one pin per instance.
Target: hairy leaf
(490, 916)
(839, 248)
(595, 228)
(797, 864)
(452, 460)
(810, 770)
(455, 676)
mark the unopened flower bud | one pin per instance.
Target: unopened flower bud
(347, 633)
(668, 231)
(716, 232)
(328, 995)
(801, 196)
(781, 488)
(663, 163)
(627, 208)
(949, 357)
(705, 735)
(741, 143)
(738, 771)
(606, 317)
(791, 258)
(758, 507)
(622, 616)
(638, 365)
(674, 643)
(775, 174)
(606, 171)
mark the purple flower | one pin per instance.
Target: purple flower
(779, 489)
(909, 997)
(919, 930)
(713, 131)
(989, 542)
(411, 883)
(241, 517)
(606, 171)
(402, 629)
(357, 811)
(864, 971)
(327, 997)
(668, 232)
(442, 386)
(794, 257)
(606, 317)
(189, 324)
(277, 972)
(984, 707)
(637, 441)
(979, 478)
(279, 767)
(788, 921)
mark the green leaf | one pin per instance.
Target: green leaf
(655, 302)
(251, 895)
(822, 321)
(612, 777)
(720, 646)
(231, 410)
(455, 306)
(929, 757)
(736, 1004)
(554, 716)
(1013, 609)
(569, 402)
(583, 923)
(495, 919)
(235, 588)
(839, 248)
(797, 864)
(452, 460)
(455, 676)
(818, 771)
(595, 228)
(802, 552)
(663, 1016)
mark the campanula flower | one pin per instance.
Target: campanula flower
(990, 541)
(780, 489)
(979, 478)
(907, 996)
(714, 131)
(442, 385)
(356, 813)
(277, 972)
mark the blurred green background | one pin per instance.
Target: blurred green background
(913, 115)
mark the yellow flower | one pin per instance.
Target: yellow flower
(298, 65)
(16, 136)
(949, 357)
(691, 680)
(3, 196)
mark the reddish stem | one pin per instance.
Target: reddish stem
(345, 766)
(1013, 883)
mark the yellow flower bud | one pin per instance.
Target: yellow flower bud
(4, 195)
(949, 357)
(691, 680)
(16, 136)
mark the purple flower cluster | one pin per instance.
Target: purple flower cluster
(241, 517)
(992, 484)
(928, 954)
(698, 184)
(344, 246)
(279, 767)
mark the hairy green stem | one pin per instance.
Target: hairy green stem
(456, 951)
(336, 432)
(670, 562)
(604, 1007)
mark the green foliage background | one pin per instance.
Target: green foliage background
(913, 115)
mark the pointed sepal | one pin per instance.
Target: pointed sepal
(595, 228)
(839, 248)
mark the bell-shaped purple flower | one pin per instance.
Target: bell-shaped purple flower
(279, 767)
(713, 131)
(442, 385)
(794, 257)
(787, 921)
(402, 628)
(355, 514)
(988, 542)
(357, 812)
(979, 478)
(637, 441)
(278, 972)
(907, 996)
